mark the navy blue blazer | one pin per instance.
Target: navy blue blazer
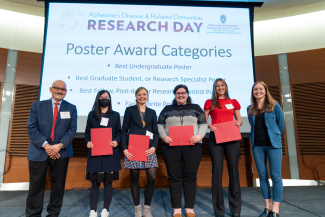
(132, 124)
(275, 124)
(39, 128)
(105, 163)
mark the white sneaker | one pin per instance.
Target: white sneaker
(104, 213)
(93, 213)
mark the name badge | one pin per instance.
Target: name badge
(65, 115)
(229, 106)
(104, 122)
(148, 133)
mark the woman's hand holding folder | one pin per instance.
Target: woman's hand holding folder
(151, 151)
(167, 139)
(127, 154)
(195, 139)
(90, 145)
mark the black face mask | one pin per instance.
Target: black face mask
(104, 102)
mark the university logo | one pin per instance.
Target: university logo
(71, 18)
(223, 19)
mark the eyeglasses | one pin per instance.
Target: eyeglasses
(57, 89)
(181, 93)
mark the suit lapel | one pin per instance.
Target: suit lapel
(49, 111)
(137, 115)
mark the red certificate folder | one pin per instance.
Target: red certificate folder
(226, 132)
(181, 135)
(138, 145)
(101, 138)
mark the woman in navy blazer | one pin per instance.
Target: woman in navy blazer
(103, 168)
(266, 119)
(141, 120)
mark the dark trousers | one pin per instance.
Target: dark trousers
(217, 152)
(37, 179)
(182, 164)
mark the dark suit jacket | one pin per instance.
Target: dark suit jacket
(132, 124)
(39, 127)
(275, 124)
(105, 163)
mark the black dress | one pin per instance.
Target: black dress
(104, 168)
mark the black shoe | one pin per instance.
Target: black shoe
(266, 213)
(235, 215)
(274, 214)
(220, 216)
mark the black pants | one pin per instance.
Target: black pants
(182, 164)
(231, 151)
(37, 179)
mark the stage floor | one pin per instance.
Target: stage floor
(297, 201)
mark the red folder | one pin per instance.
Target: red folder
(138, 145)
(101, 138)
(181, 135)
(226, 132)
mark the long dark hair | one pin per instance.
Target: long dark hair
(188, 101)
(96, 107)
(215, 96)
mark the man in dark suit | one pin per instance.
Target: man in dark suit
(51, 126)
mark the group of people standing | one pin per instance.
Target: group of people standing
(182, 162)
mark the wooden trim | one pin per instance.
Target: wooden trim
(3, 64)
(1, 93)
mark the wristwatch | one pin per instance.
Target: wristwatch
(62, 146)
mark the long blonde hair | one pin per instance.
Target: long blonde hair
(215, 97)
(136, 92)
(269, 102)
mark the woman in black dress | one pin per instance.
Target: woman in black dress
(103, 168)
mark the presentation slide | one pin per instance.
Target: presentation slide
(119, 48)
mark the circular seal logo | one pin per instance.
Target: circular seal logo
(223, 19)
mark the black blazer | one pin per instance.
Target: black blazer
(132, 124)
(105, 163)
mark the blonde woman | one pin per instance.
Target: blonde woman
(140, 120)
(266, 119)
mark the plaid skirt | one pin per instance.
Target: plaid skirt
(151, 162)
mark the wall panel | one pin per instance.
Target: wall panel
(307, 79)
(306, 66)
(29, 68)
(267, 70)
(310, 128)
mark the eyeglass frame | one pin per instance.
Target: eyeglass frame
(57, 89)
(182, 93)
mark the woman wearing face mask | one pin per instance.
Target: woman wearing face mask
(141, 120)
(182, 162)
(103, 168)
(223, 109)
(266, 119)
